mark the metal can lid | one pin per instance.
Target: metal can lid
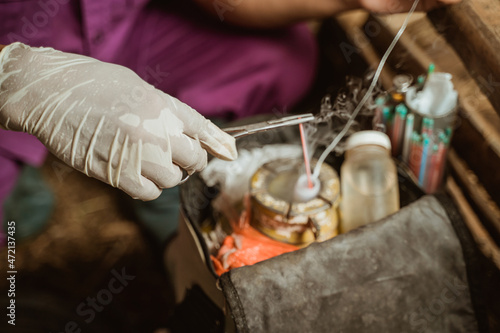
(369, 138)
(402, 82)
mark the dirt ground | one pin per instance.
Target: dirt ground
(90, 241)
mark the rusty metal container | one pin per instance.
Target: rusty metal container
(277, 215)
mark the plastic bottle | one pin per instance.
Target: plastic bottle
(369, 181)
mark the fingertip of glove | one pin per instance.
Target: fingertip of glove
(146, 192)
(148, 197)
(224, 145)
(229, 151)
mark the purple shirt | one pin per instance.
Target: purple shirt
(212, 67)
(94, 28)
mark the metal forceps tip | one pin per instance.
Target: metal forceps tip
(240, 131)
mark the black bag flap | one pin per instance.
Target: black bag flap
(405, 273)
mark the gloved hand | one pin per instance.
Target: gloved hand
(105, 121)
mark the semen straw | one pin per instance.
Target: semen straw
(423, 163)
(415, 154)
(407, 137)
(398, 130)
(306, 156)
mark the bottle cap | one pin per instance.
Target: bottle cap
(431, 69)
(369, 138)
(380, 100)
(428, 122)
(402, 82)
(401, 109)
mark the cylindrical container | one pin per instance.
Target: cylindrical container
(275, 212)
(434, 112)
(441, 109)
(401, 84)
(369, 182)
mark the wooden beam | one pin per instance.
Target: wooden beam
(487, 209)
(477, 134)
(420, 45)
(352, 23)
(473, 29)
(480, 235)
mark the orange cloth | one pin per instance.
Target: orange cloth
(247, 246)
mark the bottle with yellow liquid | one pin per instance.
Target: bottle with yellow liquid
(369, 181)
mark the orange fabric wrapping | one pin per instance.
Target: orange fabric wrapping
(247, 246)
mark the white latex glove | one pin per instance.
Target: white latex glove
(103, 120)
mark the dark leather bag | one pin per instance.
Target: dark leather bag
(410, 272)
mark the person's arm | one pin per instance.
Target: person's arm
(277, 13)
(273, 13)
(104, 120)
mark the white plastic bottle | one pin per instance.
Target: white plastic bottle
(369, 181)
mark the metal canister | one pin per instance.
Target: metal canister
(277, 215)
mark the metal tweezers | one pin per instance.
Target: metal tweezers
(241, 131)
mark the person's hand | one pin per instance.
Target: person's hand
(401, 6)
(105, 121)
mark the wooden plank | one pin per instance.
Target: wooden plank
(418, 47)
(473, 28)
(472, 147)
(480, 235)
(480, 130)
(477, 134)
(352, 23)
(488, 210)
